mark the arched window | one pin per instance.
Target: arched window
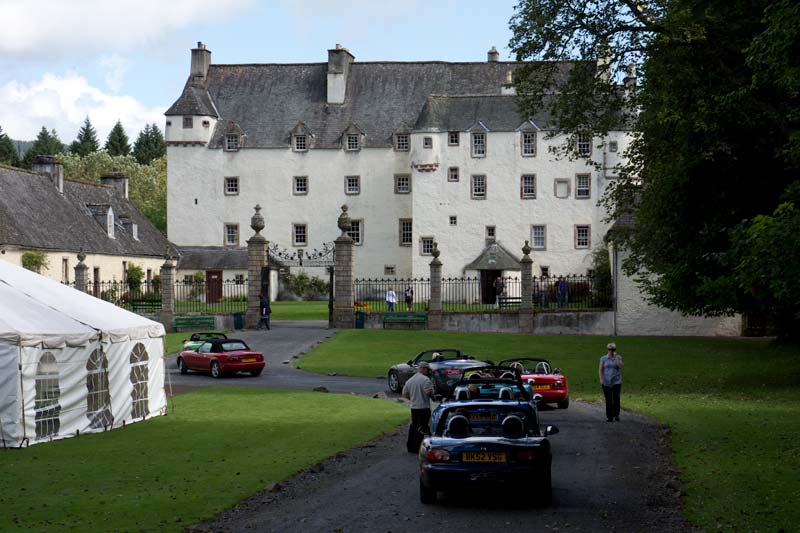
(48, 394)
(139, 378)
(98, 398)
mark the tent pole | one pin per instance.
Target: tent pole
(22, 396)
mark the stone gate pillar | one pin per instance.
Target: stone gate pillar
(343, 276)
(526, 286)
(167, 275)
(81, 273)
(435, 302)
(256, 260)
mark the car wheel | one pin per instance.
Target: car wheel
(394, 382)
(563, 404)
(182, 366)
(216, 371)
(426, 495)
(256, 373)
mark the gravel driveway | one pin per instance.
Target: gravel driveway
(606, 476)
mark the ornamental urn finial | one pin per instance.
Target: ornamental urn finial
(526, 249)
(435, 251)
(257, 220)
(344, 221)
(81, 255)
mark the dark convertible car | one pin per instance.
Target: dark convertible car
(486, 433)
(446, 366)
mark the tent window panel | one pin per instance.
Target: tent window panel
(48, 394)
(139, 379)
(98, 396)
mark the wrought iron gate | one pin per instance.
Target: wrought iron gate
(326, 258)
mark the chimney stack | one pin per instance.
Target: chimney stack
(493, 56)
(48, 165)
(118, 181)
(339, 61)
(630, 79)
(201, 60)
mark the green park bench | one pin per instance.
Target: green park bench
(145, 306)
(507, 302)
(193, 322)
(405, 318)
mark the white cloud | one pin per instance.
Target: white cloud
(115, 66)
(57, 28)
(62, 102)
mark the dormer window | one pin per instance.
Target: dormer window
(528, 143)
(300, 143)
(301, 138)
(401, 142)
(478, 144)
(232, 142)
(352, 142)
(135, 231)
(110, 223)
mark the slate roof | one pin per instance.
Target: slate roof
(458, 113)
(267, 101)
(494, 257)
(33, 214)
(215, 258)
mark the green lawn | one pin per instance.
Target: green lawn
(733, 406)
(215, 448)
(299, 310)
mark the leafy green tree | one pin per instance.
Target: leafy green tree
(46, 143)
(117, 142)
(35, 261)
(8, 152)
(714, 123)
(148, 183)
(135, 276)
(86, 142)
(150, 145)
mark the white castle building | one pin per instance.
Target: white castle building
(419, 152)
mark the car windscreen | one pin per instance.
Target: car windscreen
(489, 390)
(234, 346)
(467, 420)
(529, 366)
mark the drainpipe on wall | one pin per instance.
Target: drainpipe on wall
(615, 258)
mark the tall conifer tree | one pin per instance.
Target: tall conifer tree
(86, 142)
(46, 143)
(149, 145)
(117, 142)
(8, 152)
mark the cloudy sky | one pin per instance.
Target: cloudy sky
(128, 59)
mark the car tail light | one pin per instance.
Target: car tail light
(437, 456)
(526, 456)
(233, 359)
(558, 385)
(453, 372)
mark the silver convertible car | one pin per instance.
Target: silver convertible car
(446, 368)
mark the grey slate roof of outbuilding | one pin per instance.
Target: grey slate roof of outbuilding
(494, 257)
(458, 113)
(267, 101)
(33, 214)
(215, 258)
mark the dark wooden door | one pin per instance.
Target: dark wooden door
(213, 286)
(487, 285)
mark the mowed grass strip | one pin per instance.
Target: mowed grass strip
(215, 448)
(733, 406)
(299, 310)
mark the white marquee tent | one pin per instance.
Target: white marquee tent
(71, 363)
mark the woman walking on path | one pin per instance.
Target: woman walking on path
(610, 375)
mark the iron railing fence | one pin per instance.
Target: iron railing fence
(371, 294)
(216, 297)
(571, 292)
(480, 294)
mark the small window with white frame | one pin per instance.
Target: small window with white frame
(426, 245)
(300, 143)
(453, 138)
(356, 231)
(452, 174)
(453, 220)
(232, 142)
(352, 142)
(479, 187)
(389, 270)
(299, 234)
(583, 183)
(231, 234)
(479, 144)
(406, 232)
(538, 237)
(300, 185)
(231, 185)
(528, 143)
(402, 142)
(427, 142)
(402, 183)
(583, 236)
(561, 188)
(583, 143)
(188, 123)
(352, 185)
(491, 233)
(527, 186)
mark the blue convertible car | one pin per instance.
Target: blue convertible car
(486, 432)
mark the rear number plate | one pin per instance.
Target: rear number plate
(486, 417)
(484, 457)
(541, 387)
(248, 359)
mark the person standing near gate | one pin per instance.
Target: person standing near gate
(408, 295)
(391, 299)
(264, 310)
(610, 374)
(419, 391)
(499, 290)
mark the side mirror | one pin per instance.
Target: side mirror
(550, 430)
(410, 362)
(537, 397)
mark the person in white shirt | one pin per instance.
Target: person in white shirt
(419, 391)
(391, 299)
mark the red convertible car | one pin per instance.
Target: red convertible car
(220, 357)
(542, 379)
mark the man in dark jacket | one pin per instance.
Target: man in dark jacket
(264, 310)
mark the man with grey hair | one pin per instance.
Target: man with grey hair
(419, 391)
